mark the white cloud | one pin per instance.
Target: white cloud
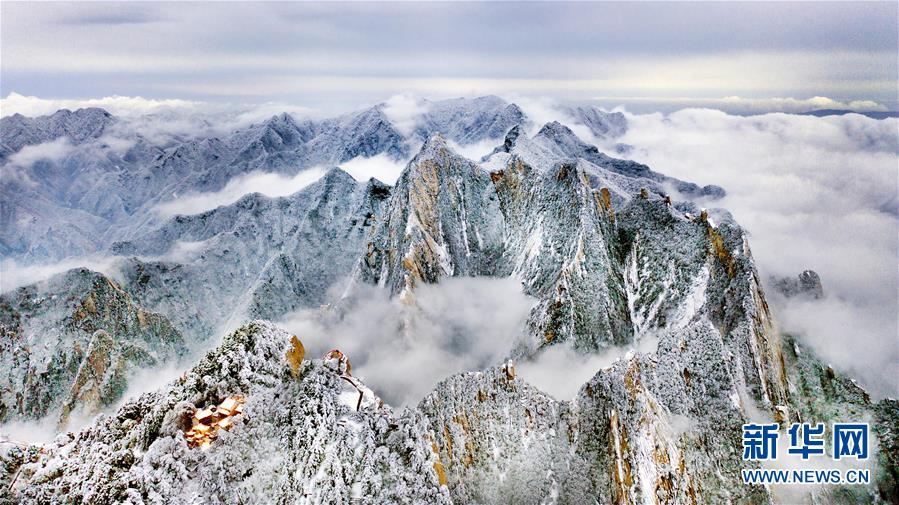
(32, 106)
(380, 166)
(477, 150)
(267, 183)
(561, 371)
(743, 105)
(816, 193)
(849, 335)
(249, 114)
(797, 105)
(151, 379)
(39, 431)
(182, 251)
(401, 351)
(405, 112)
(55, 150)
(115, 144)
(13, 275)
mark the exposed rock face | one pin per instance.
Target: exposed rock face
(886, 427)
(604, 275)
(664, 426)
(70, 343)
(807, 285)
(258, 257)
(443, 219)
(560, 242)
(820, 393)
(659, 427)
(480, 437)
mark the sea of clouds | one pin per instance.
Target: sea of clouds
(813, 193)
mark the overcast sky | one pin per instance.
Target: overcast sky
(346, 55)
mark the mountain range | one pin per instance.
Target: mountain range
(614, 254)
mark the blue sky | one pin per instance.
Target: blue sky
(344, 55)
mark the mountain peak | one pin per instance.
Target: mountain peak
(436, 139)
(434, 145)
(511, 137)
(281, 119)
(86, 113)
(336, 175)
(555, 129)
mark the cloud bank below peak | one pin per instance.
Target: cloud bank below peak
(740, 105)
(126, 106)
(265, 183)
(813, 193)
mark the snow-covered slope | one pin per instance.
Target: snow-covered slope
(654, 428)
(442, 219)
(70, 344)
(18, 131)
(102, 180)
(297, 441)
(468, 121)
(615, 254)
(259, 257)
(555, 141)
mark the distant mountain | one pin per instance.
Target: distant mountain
(80, 126)
(603, 125)
(555, 141)
(807, 285)
(468, 121)
(104, 191)
(260, 257)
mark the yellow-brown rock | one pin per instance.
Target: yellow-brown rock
(295, 355)
(438, 466)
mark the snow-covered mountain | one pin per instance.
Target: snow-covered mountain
(658, 428)
(77, 127)
(81, 198)
(615, 256)
(72, 343)
(259, 257)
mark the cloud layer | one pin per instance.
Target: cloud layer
(266, 183)
(52, 151)
(561, 371)
(126, 106)
(818, 193)
(380, 166)
(740, 105)
(401, 351)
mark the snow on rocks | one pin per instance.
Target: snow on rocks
(288, 442)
